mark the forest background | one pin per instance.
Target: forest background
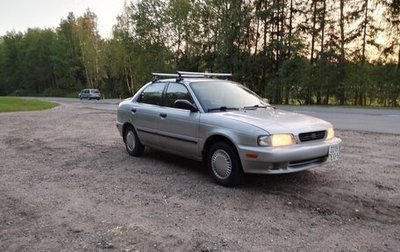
(343, 52)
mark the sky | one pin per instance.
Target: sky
(19, 15)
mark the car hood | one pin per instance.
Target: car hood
(276, 121)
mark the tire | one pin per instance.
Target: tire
(224, 164)
(132, 143)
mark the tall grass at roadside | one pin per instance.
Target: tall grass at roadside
(13, 104)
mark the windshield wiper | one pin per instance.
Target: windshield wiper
(223, 108)
(259, 106)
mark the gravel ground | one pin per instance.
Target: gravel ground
(67, 184)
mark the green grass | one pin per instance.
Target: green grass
(12, 104)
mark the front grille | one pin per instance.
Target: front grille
(311, 136)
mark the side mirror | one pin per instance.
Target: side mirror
(185, 104)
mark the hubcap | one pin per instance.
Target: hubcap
(130, 141)
(221, 164)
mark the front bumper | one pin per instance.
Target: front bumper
(295, 158)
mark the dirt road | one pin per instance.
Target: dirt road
(67, 184)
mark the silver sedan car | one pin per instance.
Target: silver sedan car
(225, 125)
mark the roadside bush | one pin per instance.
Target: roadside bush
(57, 92)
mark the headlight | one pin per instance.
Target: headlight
(282, 140)
(276, 140)
(330, 134)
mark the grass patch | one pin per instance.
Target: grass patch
(13, 104)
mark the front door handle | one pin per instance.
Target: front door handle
(163, 115)
(133, 111)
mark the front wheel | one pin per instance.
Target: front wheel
(132, 143)
(224, 164)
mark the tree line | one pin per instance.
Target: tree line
(290, 51)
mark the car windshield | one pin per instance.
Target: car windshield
(225, 95)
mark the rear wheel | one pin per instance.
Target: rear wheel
(224, 164)
(132, 143)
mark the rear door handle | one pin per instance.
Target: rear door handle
(133, 110)
(163, 115)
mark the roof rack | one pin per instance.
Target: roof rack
(180, 75)
(206, 74)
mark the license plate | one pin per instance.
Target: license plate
(334, 152)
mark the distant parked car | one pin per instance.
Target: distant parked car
(224, 124)
(90, 94)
